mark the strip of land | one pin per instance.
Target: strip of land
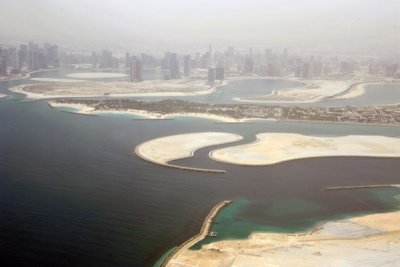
(312, 91)
(204, 232)
(163, 150)
(56, 80)
(96, 75)
(371, 240)
(179, 87)
(2, 96)
(272, 148)
(372, 115)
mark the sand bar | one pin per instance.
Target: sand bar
(2, 96)
(271, 148)
(181, 87)
(96, 75)
(163, 150)
(56, 80)
(312, 91)
(372, 240)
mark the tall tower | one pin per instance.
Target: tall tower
(136, 70)
(186, 65)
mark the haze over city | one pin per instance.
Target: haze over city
(199, 133)
(340, 26)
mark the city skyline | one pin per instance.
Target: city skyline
(155, 26)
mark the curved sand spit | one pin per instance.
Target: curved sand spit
(271, 148)
(163, 150)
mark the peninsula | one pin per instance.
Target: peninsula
(377, 115)
(163, 150)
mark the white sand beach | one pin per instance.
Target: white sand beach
(2, 96)
(371, 240)
(85, 109)
(271, 148)
(165, 149)
(96, 75)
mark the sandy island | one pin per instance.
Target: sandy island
(2, 96)
(56, 80)
(180, 87)
(271, 148)
(371, 240)
(85, 109)
(96, 75)
(312, 91)
(163, 150)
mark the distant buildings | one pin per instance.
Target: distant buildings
(135, 70)
(186, 65)
(106, 60)
(220, 73)
(211, 76)
(173, 66)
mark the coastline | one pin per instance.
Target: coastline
(356, 240)
(85, 109)
(204, 232)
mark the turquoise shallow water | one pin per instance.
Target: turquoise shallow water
(238, 221)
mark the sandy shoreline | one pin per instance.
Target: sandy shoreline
(372, 239)
(84, 109)
(163, 150)
(2, 96)
(272, 148)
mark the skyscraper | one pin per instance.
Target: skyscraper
(186, 65)
(220, 73)
(136, 70)
(127, 60)
(211, 76)
(173, 66)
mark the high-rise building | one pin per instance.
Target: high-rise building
(52, 56)
(136, 70)
(211, 76)
(23, 55)
(173, 66)
(106, 59)
(220, 73)
(127, 60)
(3, 66)
(13, 60)
(93, 59)
(186, 65)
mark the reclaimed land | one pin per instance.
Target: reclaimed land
(372, 115)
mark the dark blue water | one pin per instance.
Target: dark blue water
(72, 193)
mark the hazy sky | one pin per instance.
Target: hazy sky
(343, 25)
